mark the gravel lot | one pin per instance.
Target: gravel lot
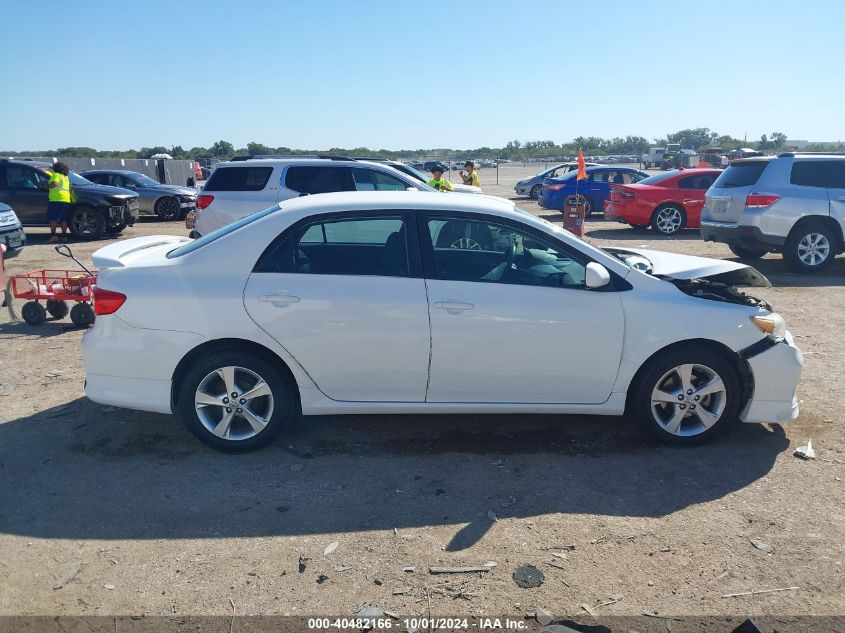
(156, 523)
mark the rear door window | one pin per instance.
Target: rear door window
(314, 179)
(809, 173)
(837, 174)
(347, 246)
(741, 174)
(238, 179)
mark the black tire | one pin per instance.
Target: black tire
(282, 390)
(86, 222)
(168, 209)
(747, 252)
(82, 314)
(588, 207)
(535, 192)
(57, 309)
(116, 229)
(33, 313)
(691, 431)
(796, 252)
(676, 212)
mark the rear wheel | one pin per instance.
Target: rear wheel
(535, 192)
(810, 247)
(57, 309)
(686, 396)
(168, 209)
(235, 401)
(747, 252)
(87, 223)
(33, 313)
(588, 207)
(668, 219)
(82, 314)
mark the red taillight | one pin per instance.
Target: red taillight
(554, 187)
(758, 200)
(107, 301)
(203, 200)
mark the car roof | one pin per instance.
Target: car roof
(400, 200)
(109, 171)
(31, 163)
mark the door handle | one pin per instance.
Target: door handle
(453, 305)
(278, 300)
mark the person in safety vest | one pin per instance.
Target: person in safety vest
(438, 181)
(58, 206)
(471, 175)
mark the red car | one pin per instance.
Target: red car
(669, 201)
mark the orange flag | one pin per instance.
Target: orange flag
(582, 166)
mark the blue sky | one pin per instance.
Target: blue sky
(391, 74)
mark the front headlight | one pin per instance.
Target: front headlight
(772, 324)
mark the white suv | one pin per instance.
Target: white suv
(245, 185)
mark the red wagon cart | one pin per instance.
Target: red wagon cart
(56, 288)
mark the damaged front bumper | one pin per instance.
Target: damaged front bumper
(775, 368)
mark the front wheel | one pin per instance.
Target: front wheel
(686, 396)
(588, 208)
(168, 209)
(235, 401)
(33, 313)
(116, 229)
(87, 223)
(810, 247)
(747, 252)
(535, 192)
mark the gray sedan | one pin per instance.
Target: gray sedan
(169, 202)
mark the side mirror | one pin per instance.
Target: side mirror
(597, 276)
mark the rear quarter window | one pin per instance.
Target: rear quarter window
(238, 179)
(319, 179)
(741, 174)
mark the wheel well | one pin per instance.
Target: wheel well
(825, 221)
(235, 344)
(726, 352)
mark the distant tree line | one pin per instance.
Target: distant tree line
(695, 138)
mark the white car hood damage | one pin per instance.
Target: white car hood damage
(689, 267)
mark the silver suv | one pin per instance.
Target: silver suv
(793, 204)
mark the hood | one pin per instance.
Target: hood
(137, 251)
(182, 191)
(687, 267)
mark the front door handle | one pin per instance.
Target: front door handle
(453, 305)
(279, 299)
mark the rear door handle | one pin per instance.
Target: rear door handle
(279, 299)
(453, 305)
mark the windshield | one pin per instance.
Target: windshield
(78, 181)
(144, 181)
(413, 173)
(208, 238)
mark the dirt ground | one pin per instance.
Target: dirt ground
(157, 524)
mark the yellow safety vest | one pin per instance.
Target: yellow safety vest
(61, 192)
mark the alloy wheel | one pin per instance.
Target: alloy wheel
(813, 249)
(669, 220)
(688, 400)
(85, 222)
(168, 208)
(234, 403)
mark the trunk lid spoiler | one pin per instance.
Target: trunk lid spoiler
(126, 252)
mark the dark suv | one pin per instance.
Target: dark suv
(95, 209)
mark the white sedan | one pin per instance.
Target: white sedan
(415, 302)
